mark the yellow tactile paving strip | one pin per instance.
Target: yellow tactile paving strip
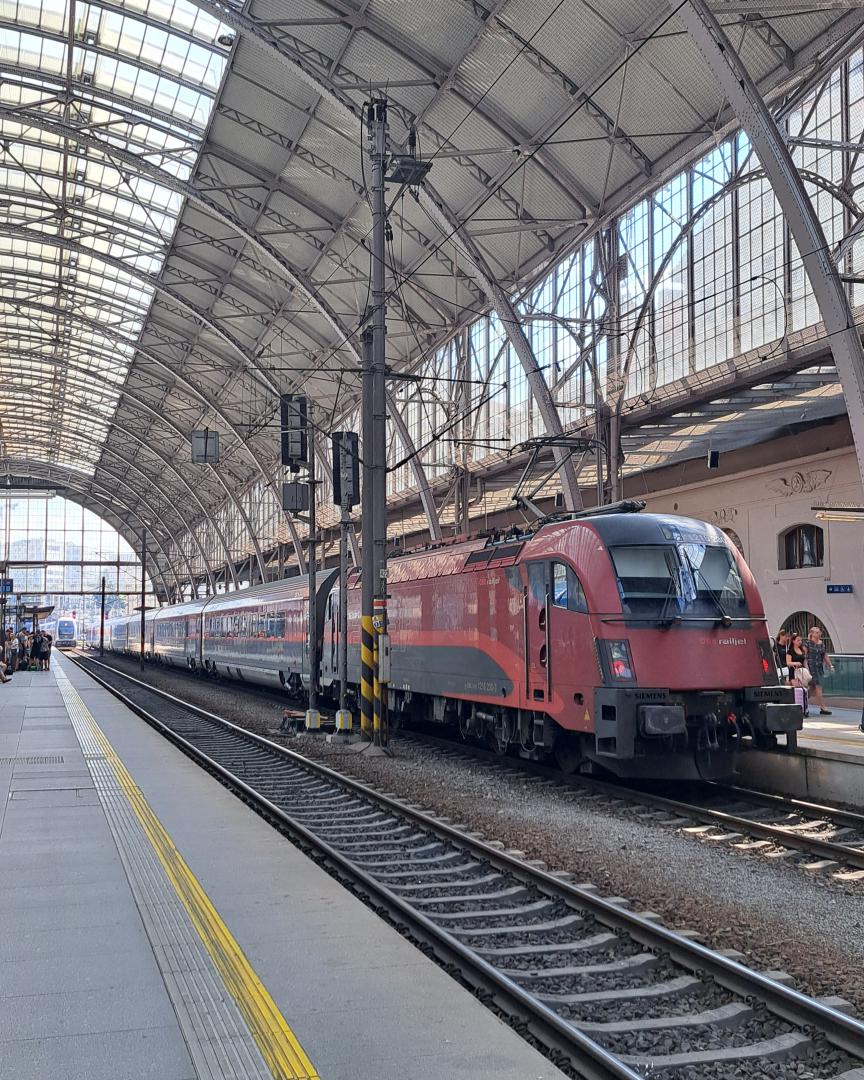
(278, 1045)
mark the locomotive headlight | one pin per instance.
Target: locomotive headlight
(618, 661)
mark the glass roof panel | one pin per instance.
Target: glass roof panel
(80, 235)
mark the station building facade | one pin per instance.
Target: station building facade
(767, 498)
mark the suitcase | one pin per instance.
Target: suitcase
(801, 698)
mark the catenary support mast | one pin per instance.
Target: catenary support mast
(102, 619)
(313, 717)
(377, 131)
(367, 645)
(143, 593)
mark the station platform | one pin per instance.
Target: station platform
(839, 732)
(153, 927)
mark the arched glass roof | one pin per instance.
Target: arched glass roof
(81, 231)
(184, 227)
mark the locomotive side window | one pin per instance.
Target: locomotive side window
(566, 590)
(561, 583)
(538, 580)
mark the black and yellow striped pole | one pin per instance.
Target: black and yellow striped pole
(367, 668)
(381, 674)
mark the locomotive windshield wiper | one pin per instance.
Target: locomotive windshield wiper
(725, 617)
(670, 592)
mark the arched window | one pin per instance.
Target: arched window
(802, 546)
(801, 622)
(736, 540)
(57, 553)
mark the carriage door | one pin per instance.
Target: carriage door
(538, 671)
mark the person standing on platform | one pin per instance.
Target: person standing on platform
(12, 650)
(799, 675)
(22, 650)
(5, 656)
(36, 650)
(796, 658)
(817, 661)
(780, 649)
(47, 645)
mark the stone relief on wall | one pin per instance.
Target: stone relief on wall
(800, 483)
(724, 515)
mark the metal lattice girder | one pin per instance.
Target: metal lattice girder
(266, 250)
(328, 89)
(737, 86)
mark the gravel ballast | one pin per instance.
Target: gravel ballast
(774, 914)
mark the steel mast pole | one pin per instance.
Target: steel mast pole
(313, 717)
(377, 114)
(143, 592)
(102, 619)
(345, 717)
(367, 554)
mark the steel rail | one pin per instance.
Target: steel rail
(842, 1030)
(590, 1059)
(778, 834)
(836, 814)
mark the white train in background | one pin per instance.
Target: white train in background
(64, 630)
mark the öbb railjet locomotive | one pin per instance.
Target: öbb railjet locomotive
(635, 642)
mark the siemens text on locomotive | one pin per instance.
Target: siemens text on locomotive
(635, 642)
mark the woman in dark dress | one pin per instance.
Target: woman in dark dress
(36, 651)
(47, 642)
(796, 658)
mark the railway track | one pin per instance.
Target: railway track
(608, 992)
(819, 839)
(825, 839)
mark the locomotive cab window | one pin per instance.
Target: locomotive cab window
(678, 581)
(566, 590)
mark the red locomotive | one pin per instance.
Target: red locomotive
(636, 642)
